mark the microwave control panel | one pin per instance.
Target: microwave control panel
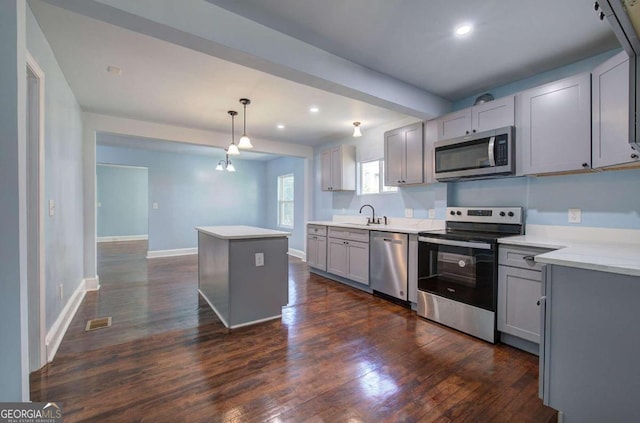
(501, 150)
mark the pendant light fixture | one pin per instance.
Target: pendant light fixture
(226, 164)
(245, 141)
(356, 129)
(232, 150)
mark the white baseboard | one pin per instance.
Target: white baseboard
(60, 326)
(298, 253)
(92, 284)
(172, 253)
(122, 238)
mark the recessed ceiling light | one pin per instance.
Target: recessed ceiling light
(464, 29)
(314, 109)
(280, 126)
(114, 70)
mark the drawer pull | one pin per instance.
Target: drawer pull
(529, 259)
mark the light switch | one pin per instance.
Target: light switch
(575, 215)
(432, 213)
(154, 205)
(408, 212)
(52, 207)
(259, 259)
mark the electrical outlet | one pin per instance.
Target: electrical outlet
(575, 215)
(61, 292)
(408, 212)
(154, 205)
(432, 213)
(52, 207)
(259, 259)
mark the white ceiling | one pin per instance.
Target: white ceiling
(413, 40)
(410, 40)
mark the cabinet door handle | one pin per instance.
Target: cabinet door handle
(541, 300)
(467, 132)
(474, 131)
(585, 165)
(634, 156)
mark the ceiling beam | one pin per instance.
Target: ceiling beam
(210, 29)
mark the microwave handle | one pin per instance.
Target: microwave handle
(491, 152)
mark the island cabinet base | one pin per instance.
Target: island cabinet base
(236, 286)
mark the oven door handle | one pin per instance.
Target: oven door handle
(470, 244)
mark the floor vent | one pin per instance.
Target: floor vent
(103, 322)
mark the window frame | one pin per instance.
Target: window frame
(282, 202)
(382, 188)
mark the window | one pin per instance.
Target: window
(285, 201)
(372, 178)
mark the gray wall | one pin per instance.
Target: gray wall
(284, 166)
(122, 196)
(63, 176)
(13, 298)
(190, 192)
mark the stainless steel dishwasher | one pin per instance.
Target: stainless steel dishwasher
(388, 264)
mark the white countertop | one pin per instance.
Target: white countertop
(240, 232)
(406, 226)
(601, 249)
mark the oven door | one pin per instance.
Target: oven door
(464, 271)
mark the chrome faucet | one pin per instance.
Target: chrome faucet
(373, 214)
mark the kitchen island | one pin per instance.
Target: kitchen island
(243, 273)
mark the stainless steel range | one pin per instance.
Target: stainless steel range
(458, 268)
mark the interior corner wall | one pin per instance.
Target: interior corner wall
(63, 175)
(122, 197)
(189, 192)
(371, 147)
(283, 166)
(13, 300)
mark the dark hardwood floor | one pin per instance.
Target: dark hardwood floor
(337, 355)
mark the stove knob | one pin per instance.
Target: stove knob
(459, 213)
(452, 213)
(510, 214)
(502, 214)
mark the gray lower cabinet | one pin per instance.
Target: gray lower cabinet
(348, 254)
(590, 343)
(317, 246)
(519, 289)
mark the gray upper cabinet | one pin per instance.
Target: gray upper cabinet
(403, 155)
(430, 137)
(483, 117)
(554, 126)
(338, 169)
(610, 113)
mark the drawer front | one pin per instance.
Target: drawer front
(520, 257)
(316, 230)
(341, 233)
(359, 235)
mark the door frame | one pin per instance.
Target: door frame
(36, 221)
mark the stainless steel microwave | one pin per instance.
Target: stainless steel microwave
(475, 156)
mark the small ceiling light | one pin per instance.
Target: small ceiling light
(114, 70)
(314, 109)
(356, 129)
(280, 126)
(464, 29)
(226, 163)
(232, 150)
(245, 141)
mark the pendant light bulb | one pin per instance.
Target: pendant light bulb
(232, 150)
(230, 167)
(356, 129)
(220, 167)
(245, 141)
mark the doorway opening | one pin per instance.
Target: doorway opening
(35, 215)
